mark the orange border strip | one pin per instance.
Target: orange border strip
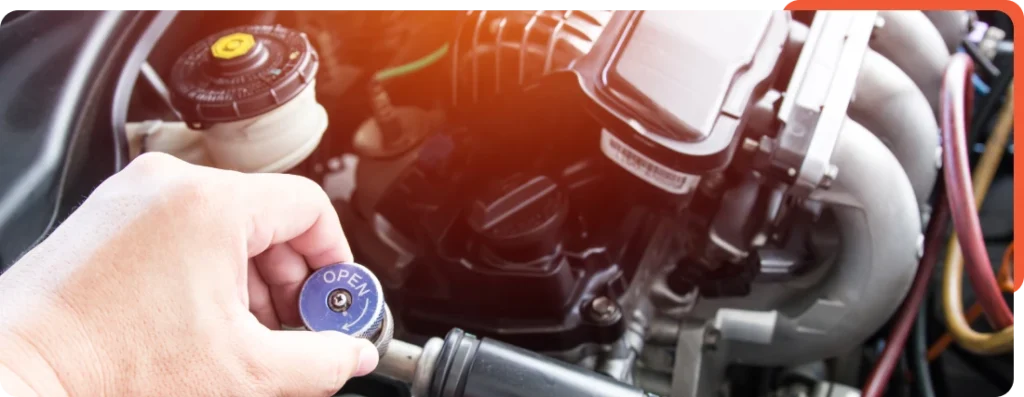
(1016, 16)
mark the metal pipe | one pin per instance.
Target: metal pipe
(879, 227)
(399, 362)
(654, 382)
(663, 331)
(909, 40)
(887, 102)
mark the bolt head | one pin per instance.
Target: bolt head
(604, 309)
(711, 338)
(750, 145)
(334, 164)
(830, 176)
(879, 23)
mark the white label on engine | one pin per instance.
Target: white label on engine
(645, 168)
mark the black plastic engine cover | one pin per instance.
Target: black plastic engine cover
(518, 224)
(672, 89)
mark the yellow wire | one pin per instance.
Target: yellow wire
(975, 312)
(952, 281)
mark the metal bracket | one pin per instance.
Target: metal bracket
(815, 104)
(702, 350)
(701, 358)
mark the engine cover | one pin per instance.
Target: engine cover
(673, 116)
(517, 225)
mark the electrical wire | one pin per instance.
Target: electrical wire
(904, 320)
(919, 356)
(939, 368)
(412, 67)
(904, 384)
(955, 96)
(989, 71)
(1005, 284)
(952, 297)
(989, 104)
(1006, 270)
(985, 367)
(955, 116)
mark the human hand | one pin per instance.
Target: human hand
(175, 279)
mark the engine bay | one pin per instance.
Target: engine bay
(689, 203)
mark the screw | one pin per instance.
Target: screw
(604, 309)
(830, 176)
(334, 163)
(713, 182)
(339, 300)
(750, 145)
(711, 338)
(879, 23)
(765, 145)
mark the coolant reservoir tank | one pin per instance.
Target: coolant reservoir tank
(251, 91)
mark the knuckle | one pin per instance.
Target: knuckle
(194, 196)
(153, 163)
(308, 188)
(306, 185)
(189, 189)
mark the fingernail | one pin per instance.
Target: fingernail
(367, 360)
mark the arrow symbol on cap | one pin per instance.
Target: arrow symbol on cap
(347, 326)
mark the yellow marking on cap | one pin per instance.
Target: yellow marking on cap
(233, 45)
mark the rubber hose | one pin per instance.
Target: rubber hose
(952, 297)
(888, 360)
(919, 355)
(957, 91)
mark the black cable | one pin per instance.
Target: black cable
(989, 104)
(984, 367)
(918, 354)
(983, 66)
(936, 328)
(903, 373)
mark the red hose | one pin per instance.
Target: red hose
(890, 357)
(956, 94)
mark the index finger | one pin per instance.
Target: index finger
(291, 209)
(292, 230)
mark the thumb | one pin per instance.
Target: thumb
(316, 363)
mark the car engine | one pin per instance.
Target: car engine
(686, 202)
